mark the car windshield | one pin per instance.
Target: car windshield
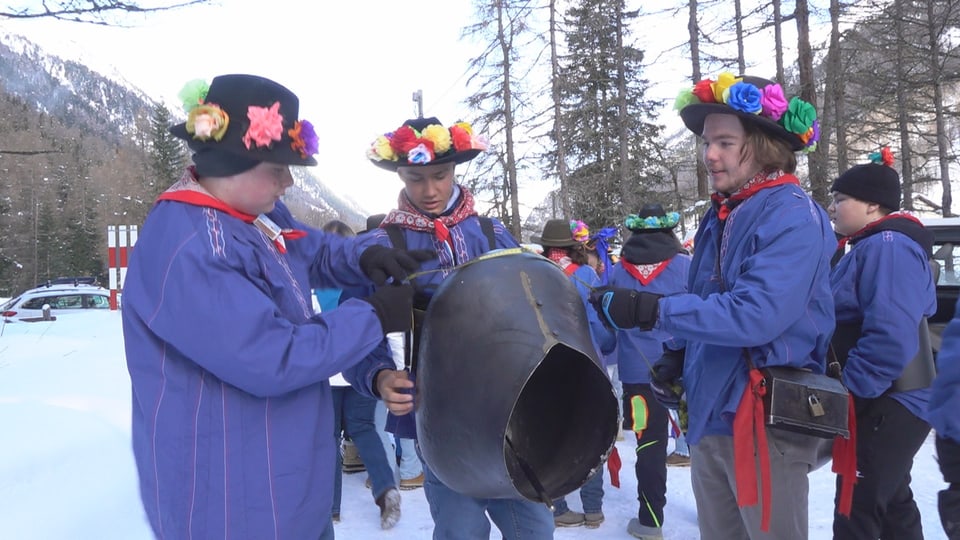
(9, 303)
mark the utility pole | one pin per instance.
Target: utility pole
(418, 99)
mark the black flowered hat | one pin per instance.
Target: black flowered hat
(247, 116)
(756, 100)
(425, 141)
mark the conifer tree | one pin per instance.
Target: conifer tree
(167, 154)
(610, 144)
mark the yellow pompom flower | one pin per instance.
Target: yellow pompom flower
(466, 127)
(439, 136)
(724, 81)
(381, 146)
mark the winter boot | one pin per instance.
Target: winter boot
(644, 532)
(568, 519)
(351, 458)
(389, 504)
(592, 520)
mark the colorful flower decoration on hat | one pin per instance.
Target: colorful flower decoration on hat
(796, 116)
(579, 231)
(266, 125)
(637, 223)
(882, 157)
(205, 121)
(423, 147)
(304, 138)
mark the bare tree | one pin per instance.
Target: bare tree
(816, 161)
(502, 23)
(693, 28)
(557, 111)
(936, 24)
(88, 11)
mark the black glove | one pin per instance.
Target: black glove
(666, 378)
(380, 262)
(394, 307)
(626, 308)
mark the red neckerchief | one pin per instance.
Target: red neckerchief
(188, 190)
(866, 230)
(408, 217)
(644, 273)
(763, 180)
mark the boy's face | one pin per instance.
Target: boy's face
(429, 187)
(729, 166)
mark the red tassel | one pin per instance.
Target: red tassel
(750, 440)
(613, 465)
(845, 461)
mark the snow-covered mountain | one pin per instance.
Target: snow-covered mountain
(100, 101)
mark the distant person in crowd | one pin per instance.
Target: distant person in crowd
(434, 212)
(759, 295)
(232, 411)
(883, 286)
(353, 414)
(565, 243)
(942, 412)
(651, 261)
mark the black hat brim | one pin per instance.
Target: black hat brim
(695, 114)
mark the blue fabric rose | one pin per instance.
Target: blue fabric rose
(745, 97)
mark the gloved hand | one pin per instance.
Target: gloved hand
(380, 262)
(394, 307)
(626, 308)
(666, 378)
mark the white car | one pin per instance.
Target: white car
(63, 299)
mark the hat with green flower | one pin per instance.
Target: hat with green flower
(651, 218)
(240, 120)
(756, 100)
(425, 141)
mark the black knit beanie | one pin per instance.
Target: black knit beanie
(213, 162)
(871, 182)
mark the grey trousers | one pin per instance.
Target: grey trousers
(792, 457)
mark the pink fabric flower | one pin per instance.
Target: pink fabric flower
(266, 125)
(773, 102)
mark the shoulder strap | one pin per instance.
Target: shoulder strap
(486, 225)
(395, 233)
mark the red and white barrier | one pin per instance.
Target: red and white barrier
(120, 241)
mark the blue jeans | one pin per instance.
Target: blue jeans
(353, 413)
(460, 517)
(591, 496)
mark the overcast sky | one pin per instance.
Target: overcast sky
(354, 65)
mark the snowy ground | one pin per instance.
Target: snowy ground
(67, 471)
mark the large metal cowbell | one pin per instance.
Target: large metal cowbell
(513, 400)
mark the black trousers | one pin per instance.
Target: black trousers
(888, 437)
(646, 417)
